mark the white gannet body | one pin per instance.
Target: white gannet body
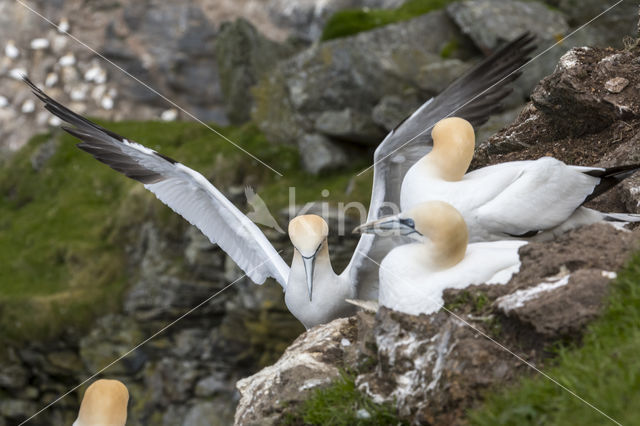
(413, 276)
(313, 292)
(104, 404)
(536, 199)
(324, 297)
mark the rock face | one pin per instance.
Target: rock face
(312, 360)
(436, 367)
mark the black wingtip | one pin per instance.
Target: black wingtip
(610, 177)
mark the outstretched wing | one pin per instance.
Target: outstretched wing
(184, 190)
(474, 96)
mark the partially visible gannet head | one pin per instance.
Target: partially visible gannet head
(453, 146)
(104, 404)
(436, 222)
(308, 233)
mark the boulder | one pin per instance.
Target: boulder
(244, 55)
(319, 153)
(610, 27)
(312, 360)
(332, 88)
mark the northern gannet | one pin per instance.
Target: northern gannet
(414, 275)
(104, 403)
(475, 95)
(519, 199)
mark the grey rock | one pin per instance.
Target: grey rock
(65, 361)
(113, 336)
(174, 415)
(611, 27)
(436, 76)
(320, 154)
(17, 409)
(392, 109)
(13, 376)
(211, 385)
(243, 56)
(352, 73)
(208, 414)
(350, 125)
(171, 380)
(491, 22)
(561, 306)
(496, 123)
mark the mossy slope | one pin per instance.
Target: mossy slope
(605, 371)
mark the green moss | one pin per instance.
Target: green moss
(63, 227)
(352, 21)
(477, 300)
(605, 371)
(338, 404)
(449, 49)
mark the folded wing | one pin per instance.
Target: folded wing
(184, 190)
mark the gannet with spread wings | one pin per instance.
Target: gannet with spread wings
(475, 96)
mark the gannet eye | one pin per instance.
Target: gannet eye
(408, 222)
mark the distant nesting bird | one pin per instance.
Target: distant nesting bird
(413, 276)
(10, 50)
(104, 404)
(520, 199)
(475, 95)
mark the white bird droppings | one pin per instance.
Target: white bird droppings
(609, 274)
(363, 414)
(63, 26)
(107, 103)
(169, 115)
(51, 79)
(345, 342)
(517, 299)
(54, 121)
(67, 60)
(39, 44)
(3, 102)
(28, 106)
(10, 50)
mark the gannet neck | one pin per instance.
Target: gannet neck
(453, 148)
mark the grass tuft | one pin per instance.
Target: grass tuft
(352, 21)
(340, 405)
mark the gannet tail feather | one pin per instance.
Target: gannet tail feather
(610, 177)
(621, 217)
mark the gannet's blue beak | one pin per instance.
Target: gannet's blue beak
(391, 225)
(309, 264)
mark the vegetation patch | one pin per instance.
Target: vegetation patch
(604, 370)
(341, 404)
(352, 21)
(65, 218)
